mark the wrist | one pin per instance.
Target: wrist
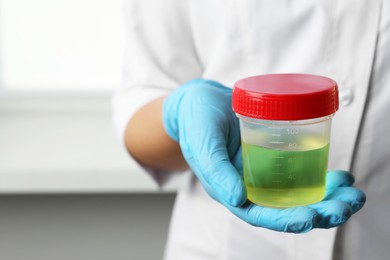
(172, 103)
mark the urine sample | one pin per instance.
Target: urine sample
(285, 122)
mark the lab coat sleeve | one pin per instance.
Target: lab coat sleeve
(159, 56)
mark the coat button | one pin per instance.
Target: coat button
(345, 96)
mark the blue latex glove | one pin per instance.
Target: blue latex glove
(199, 117)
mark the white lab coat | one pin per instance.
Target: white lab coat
(172, 41)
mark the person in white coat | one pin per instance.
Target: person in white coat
(171, 42)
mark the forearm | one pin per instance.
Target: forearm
(147, 141)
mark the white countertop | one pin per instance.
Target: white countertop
(64, 144)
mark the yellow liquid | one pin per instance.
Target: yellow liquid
(279, 178)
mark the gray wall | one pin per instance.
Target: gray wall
(88, 227)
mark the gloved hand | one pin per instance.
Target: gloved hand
(199, 117)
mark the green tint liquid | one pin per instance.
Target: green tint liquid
(279, 178)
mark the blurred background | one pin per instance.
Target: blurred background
(68, 190)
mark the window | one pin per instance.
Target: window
(61, 45)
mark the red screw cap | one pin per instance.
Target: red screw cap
(285, 97)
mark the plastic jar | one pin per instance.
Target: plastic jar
(285, 122)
